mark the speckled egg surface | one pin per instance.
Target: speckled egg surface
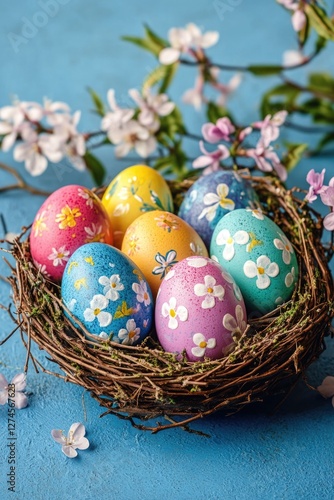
(132, 192)
(157, 240)
(70, 217)
(213, 196)
(108, 293)
(256, 252)
(199, 310)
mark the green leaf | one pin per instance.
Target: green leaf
(152, 42)
(287, 94)
(326, 139)
(97, 101)
(319, 20)
(320, 44)
(95, 167)
(265, 70)
(170, 72)
(293, 155)
(304, 33)
(215, 111)
(321, 110)
(163, 162)
(323, 83)
(142, 42)
(151, 35)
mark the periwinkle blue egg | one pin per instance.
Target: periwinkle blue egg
(108, 294)
(211, 197)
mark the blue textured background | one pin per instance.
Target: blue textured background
(253, 455)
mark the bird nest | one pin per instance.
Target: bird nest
(141, 383)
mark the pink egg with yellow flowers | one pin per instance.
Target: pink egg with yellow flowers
(70, 217)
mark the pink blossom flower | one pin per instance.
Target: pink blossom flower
(299, 17)
(195, 96)
(8, 393)
(326, 389)
(74, 440)
(327, 197)
(316, 182)
(211, 160)
(221, 131)
(270, 126)
(266, 159)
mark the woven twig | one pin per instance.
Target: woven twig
(143, 382)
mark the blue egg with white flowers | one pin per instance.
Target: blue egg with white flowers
(211, 197)
(259, 256)
(108, 294)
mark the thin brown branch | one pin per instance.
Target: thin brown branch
(21, 183)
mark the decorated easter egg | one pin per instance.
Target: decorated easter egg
(132, 192)
(70, 217)
(261, 259)
(213, 196)
(108, 294)
(199, 310)
(156, 241)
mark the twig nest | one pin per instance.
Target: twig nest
(143, 382)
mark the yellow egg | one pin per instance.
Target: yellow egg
(134, 191)
(157, 240)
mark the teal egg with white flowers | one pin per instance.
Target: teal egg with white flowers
(105, 290)
(259, 256)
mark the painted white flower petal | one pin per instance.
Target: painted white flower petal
(250, 269)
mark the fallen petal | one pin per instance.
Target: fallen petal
(326, 389)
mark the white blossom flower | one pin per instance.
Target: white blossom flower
(36, 150)
(224, 237)
(15, 394)
(133, 135)
(130, 334)
(256, 212)
(216, 200)
(182, 39)
(269, 127)
(210, 291)
(74, 440)
(292, 58)
(86, 194)
(142, 293)
(282, 243)
(166, 262)
(112, 286)
(11, 131)
(42, 269)
(170, 275)
(104, 335)
(263, 270)
(55, 111)
(96, 311)
(22, 111)
(202, 345)
(73, 143)
(117, 117)
(59, 257)
(174, 313)
(196, 261)
(151, 106)
(94, 233)
(290, 278)
(227, 276)
(236, 325)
